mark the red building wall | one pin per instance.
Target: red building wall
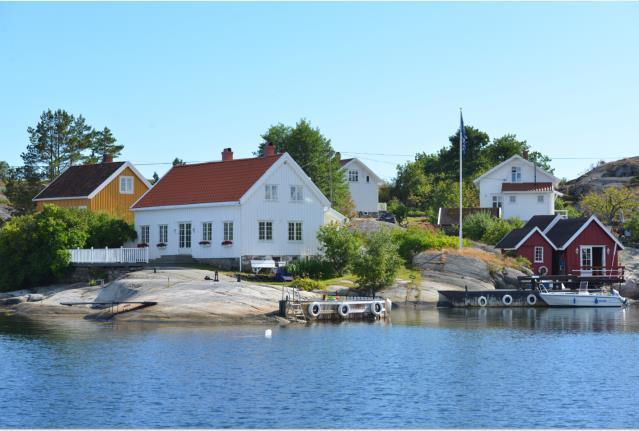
(593, 235)
(527, 250)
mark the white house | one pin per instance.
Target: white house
(231, 211)
(364, 186)
(519, 187)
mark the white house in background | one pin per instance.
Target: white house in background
(519, 187)
(231, 211)
(364, 186)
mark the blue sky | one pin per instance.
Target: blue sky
(185, 80)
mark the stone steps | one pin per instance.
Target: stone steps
(178, 259)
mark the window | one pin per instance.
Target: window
(368, 179)
(294, 231)
(144, 234)
(497, 201)
(270, 192)
(185, 235)
(539, 255)
(353, 176)
(164, 233)
(265, 230)
(297, 194)
(540, 199)
(513, 199)
(586, 256)
(515, 174)
(126, 185)
(228, 231)
(207, 231)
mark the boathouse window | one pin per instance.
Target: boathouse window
(586, 257)
(497, 201)
(297, 194)
(294, 231)
(353, 176)
(164, 233)
(207, 231)
(270, 192)
(265, 230)
(539, 254)
(540, 199)
(228, 231)
(515, 174)
(126, 185)
(513, 199)
(144, 234)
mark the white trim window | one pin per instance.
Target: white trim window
(270, 192)
(126, 185)
(513, 199)
(207, 231)
(540, 199)
(586, 257)
(353, 175)
(498, 201)
(265, 231)
(145, 234)
(295, 231)
(539, 254)
(228, 231)
(515, 174)
(163, 233)
(297, 193)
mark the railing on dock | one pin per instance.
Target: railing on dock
(109, 255)
(600, 271)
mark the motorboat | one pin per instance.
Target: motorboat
(582, 298)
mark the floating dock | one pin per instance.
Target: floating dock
(490, 298)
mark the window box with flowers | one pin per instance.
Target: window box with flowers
(161, 245)
(227, 243)
(143, 245)
(205, 243)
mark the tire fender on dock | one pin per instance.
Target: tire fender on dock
(507, 300)
(531, 299)
(482, 301)
(343, 309)
(377, 308)
(314, 309)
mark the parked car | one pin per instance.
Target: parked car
(387, 217)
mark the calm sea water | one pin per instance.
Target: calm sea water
(434, 368)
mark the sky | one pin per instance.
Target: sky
(383, 81)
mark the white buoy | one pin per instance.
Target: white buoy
(268, 333)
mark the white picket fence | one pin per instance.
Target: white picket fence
(110, 255)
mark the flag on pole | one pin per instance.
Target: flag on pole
(462, 133)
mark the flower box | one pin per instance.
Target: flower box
(227, 243)
(142, 245)
(160, 245)
(205, 243)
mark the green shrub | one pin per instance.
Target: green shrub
(105, 231)
(414, 240)
(496, 231)
(307, 284)
(476, 225)
(632, 226)
(377, 263)
(339, 245)
(314, 267)
(398, 209)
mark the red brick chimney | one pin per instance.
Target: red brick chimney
(269, 150)
(525, 154)
(227, 155)
(107, 158)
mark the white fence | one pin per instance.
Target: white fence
(110, 255)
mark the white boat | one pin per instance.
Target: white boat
(582, 298)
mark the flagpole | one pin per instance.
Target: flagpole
(461, 138)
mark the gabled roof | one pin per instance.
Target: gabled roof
(345, 162)
(517, 237)
(555, 180)
(526, 187)
(565, 231)
(85, 181)
(541, 221)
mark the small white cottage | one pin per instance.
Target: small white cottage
(363, 184)
(232, 211)
(519, 187)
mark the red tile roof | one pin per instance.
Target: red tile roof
(207, 182)
(526, 187)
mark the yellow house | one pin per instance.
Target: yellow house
(110, 187)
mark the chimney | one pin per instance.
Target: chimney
(227, 155)
(525, 154)
(107, 158)
(269, 149)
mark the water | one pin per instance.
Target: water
(434, 368)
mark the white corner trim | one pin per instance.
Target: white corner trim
(552, 223)
(584, 226)
(58, 199)
(535, 229)
(554, 181)
(115, 174)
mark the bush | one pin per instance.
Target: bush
(313, 267)
(398, 209)
(476, 225)
(496, 231)
(307, 284)
(105, 231)
(339, 246)
(632, 226)
(377, 263)
(414, 240)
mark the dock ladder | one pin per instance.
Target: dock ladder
(294, 306)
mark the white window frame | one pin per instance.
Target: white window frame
(145, 234)
(228, 230)
(589, 256)
(499, 200)
(539, 257)
(297, 231)
(163, 233)
(515, 174)
(126, 181)
(207, 231)
(265, 230)
(541, 199)
(270, 192)
(512, 199)
(297, 193)
(353, 176)
(185, 236)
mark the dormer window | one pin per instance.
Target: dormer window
(515, 174)
(353, 176)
